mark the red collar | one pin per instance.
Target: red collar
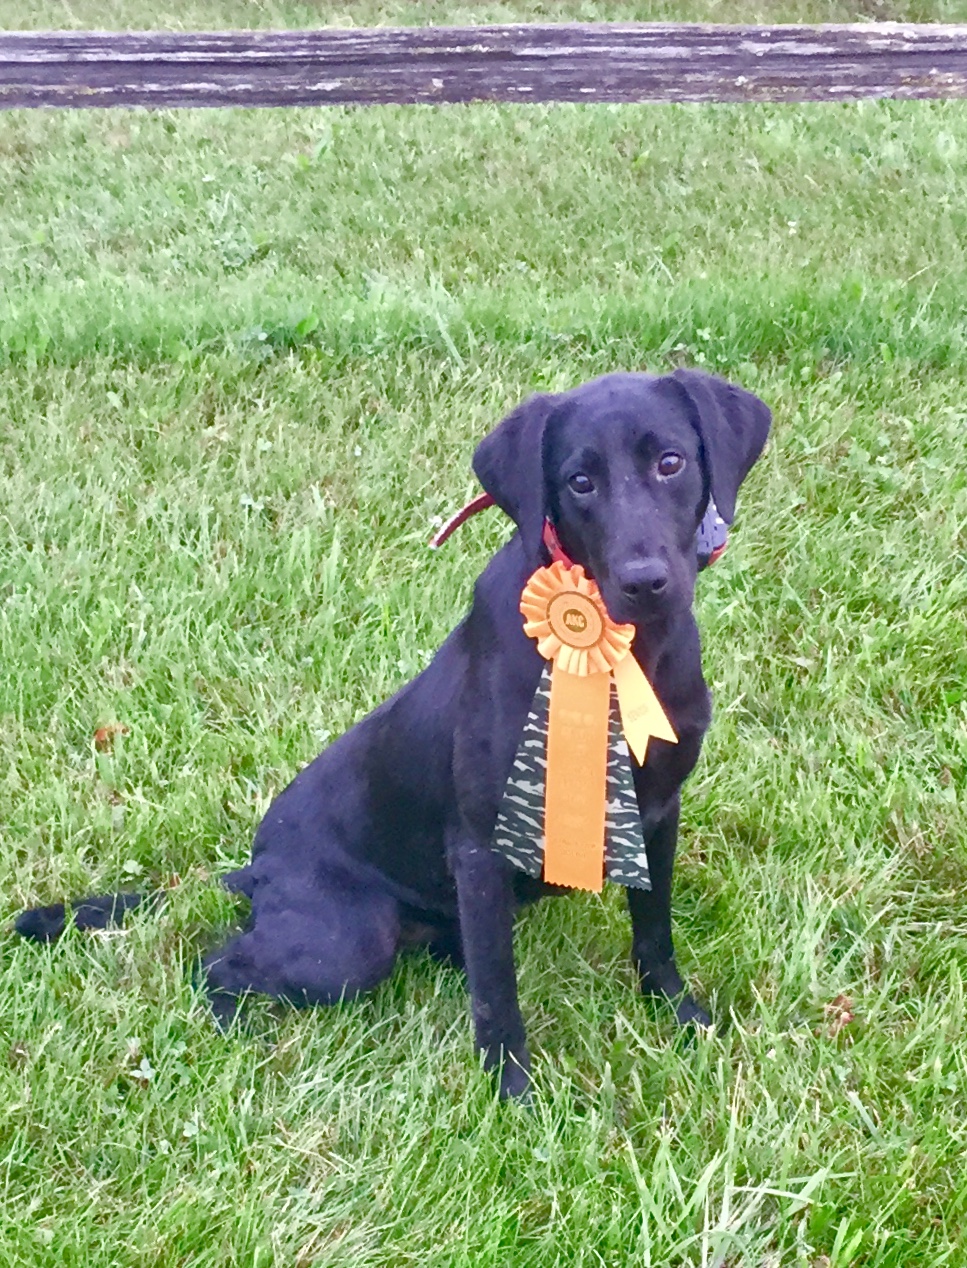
(552, 544)
(550, 538)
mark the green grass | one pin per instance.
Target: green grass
(244, 358)
(214, 14)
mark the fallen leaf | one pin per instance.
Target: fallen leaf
(104, 736)
(840, 1014)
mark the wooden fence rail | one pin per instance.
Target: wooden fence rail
(565, 62)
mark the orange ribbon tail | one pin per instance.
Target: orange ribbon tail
(577, 769)
(641, 713)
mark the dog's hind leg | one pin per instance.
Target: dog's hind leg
(447, 948)
(440, 937)
(313, 944)
(651, 928)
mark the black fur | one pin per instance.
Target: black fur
(384, 840)
(101, 911)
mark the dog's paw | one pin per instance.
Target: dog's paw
(515, 1081)
(512, 1069)
(42, 924)
(663, 981)
(689, 1013)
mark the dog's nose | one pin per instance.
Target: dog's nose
(643, 577)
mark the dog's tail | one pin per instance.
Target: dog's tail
(104, 911)
(100, 911)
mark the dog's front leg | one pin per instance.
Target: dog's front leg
(651, 926)
(485, 899)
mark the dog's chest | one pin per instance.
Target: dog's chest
(519, 831)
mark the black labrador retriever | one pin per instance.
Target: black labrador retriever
(385, 840)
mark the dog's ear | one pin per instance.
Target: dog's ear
(733, 426)
(509, 463)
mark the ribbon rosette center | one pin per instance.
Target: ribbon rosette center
(563, 610)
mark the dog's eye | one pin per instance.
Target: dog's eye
(670, 464)
(580, 483)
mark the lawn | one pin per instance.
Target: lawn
(244, 359)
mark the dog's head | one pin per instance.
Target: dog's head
(624, 468)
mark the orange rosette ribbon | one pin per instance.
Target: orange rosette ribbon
(564, 612)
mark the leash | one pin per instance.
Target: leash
(710, 540)
(479, 503)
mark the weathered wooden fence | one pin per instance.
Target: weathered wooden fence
(563, 62)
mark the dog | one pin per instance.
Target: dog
(385, 840)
